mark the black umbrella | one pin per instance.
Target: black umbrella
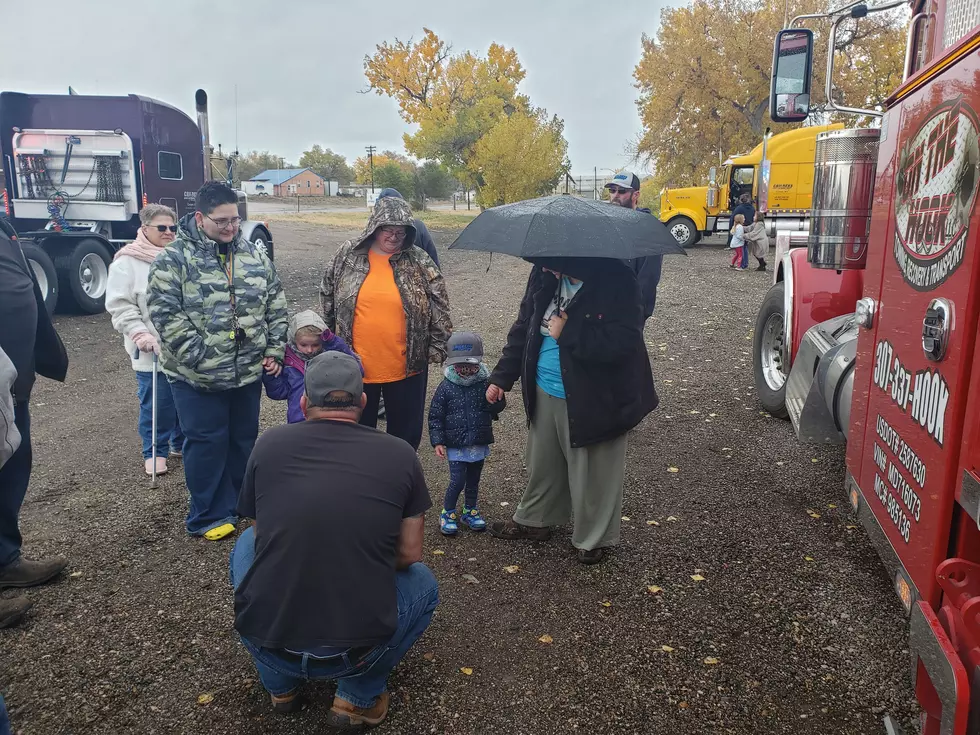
(567, 226)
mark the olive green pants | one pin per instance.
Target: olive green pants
(583, 483)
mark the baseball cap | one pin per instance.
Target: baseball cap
(464, 347)
(329, 372)
(625, 179)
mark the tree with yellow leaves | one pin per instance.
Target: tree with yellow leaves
(457, 100)
(704, 79)
(362, 165)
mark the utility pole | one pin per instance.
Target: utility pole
(595, 183)
(370, 151)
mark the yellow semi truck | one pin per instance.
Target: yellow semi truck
(778, 173)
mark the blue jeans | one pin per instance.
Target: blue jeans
(4, 720)
(220, 428)
(361, 678)
(15, 475)
(463, 475)
(168, 425)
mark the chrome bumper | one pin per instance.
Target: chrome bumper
(818, 390)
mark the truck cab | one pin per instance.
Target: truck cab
(777, 173)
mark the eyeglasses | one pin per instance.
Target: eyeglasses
(224, 222)
(394, 231)
(617, 190)
(164, 228)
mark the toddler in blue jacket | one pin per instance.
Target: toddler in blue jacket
(461, 428)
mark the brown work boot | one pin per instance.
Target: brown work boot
(13, 610)
(288, 703)
(346, 716)
(512, 531)
(28, 573)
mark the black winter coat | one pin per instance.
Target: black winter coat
(460, 416)
(604, 362)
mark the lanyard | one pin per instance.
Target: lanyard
(229, 272)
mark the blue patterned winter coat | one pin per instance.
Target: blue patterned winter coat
(459, 415)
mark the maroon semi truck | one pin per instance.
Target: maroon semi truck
(78, 168)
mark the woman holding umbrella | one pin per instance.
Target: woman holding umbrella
(577, 347)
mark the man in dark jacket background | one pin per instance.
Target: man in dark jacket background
(744, 207)
(33, 345)
(624, 191)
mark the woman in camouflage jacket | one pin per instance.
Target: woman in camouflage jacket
(387, 299)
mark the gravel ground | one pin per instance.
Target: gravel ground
(793, 605)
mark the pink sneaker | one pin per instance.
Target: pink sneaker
(161, 466)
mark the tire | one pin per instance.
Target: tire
(44, 273)
(83, 272)
(767, 348)
(684, 231)
(261, 239)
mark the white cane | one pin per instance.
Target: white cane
(153, 422)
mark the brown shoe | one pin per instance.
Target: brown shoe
(513, 531)
(27, 573)
(13, 610)
(288, 703)
(346, 716)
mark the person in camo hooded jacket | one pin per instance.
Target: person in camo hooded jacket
(387, 299)
(219, 307)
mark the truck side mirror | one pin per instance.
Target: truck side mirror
(792, 64)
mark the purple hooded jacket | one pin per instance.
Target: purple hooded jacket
(289, 384)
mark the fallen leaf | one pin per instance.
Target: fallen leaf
(429, 656)
(75, 574)
(626, 518)
(546, 639)
(814, 460)
(807, 558)
(654, 589)
(683, 705)
(850, 528)
(512, 569)
(831, 505)
(694, 411)
(606, 603)
(812, 513)
(504, 504)
(466, 670)
(712, 415)
(438, 552)
(712, 661)
(697, 578)
(671, 518)
(673, 470)
(780, 463)
(726, 449)
(666, 649)
(653, 523)
(470, 579)
(205, 698)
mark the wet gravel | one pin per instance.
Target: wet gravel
(794, 627)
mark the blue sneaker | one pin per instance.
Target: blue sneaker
(473, 520)
(447, 522)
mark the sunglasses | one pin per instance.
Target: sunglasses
(164, 228)
(617, 190)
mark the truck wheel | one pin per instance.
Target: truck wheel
(44, 273)
(684, 231)
(261, 240)
(83, 272)
(767, 350)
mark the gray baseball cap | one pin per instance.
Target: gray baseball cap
(625, 179)
(329, 372)
(464, 347)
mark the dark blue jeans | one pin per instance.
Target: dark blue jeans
(15, 475)
(168, 425)
(4, 721)
(360, 678)
(220, 428)
(463, 475)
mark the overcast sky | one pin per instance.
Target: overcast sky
(298, 64)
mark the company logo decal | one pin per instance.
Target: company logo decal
(936, 192)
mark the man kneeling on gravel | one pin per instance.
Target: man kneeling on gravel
(328, 581)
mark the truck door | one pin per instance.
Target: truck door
(914, 363)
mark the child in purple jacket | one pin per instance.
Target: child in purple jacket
(308, 337)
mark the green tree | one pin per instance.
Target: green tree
(390, 174)
(331, 166)
(432, 181)
(255, 162)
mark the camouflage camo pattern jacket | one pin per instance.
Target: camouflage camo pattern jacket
(190, 305)
(418, 278)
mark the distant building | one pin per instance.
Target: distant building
(289, 182)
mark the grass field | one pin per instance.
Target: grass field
(358, 218)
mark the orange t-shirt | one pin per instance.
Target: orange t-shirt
(380, 328)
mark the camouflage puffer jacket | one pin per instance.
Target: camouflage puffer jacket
(190, 305)
(419, 281)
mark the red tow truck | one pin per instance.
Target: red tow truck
(871, 333)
